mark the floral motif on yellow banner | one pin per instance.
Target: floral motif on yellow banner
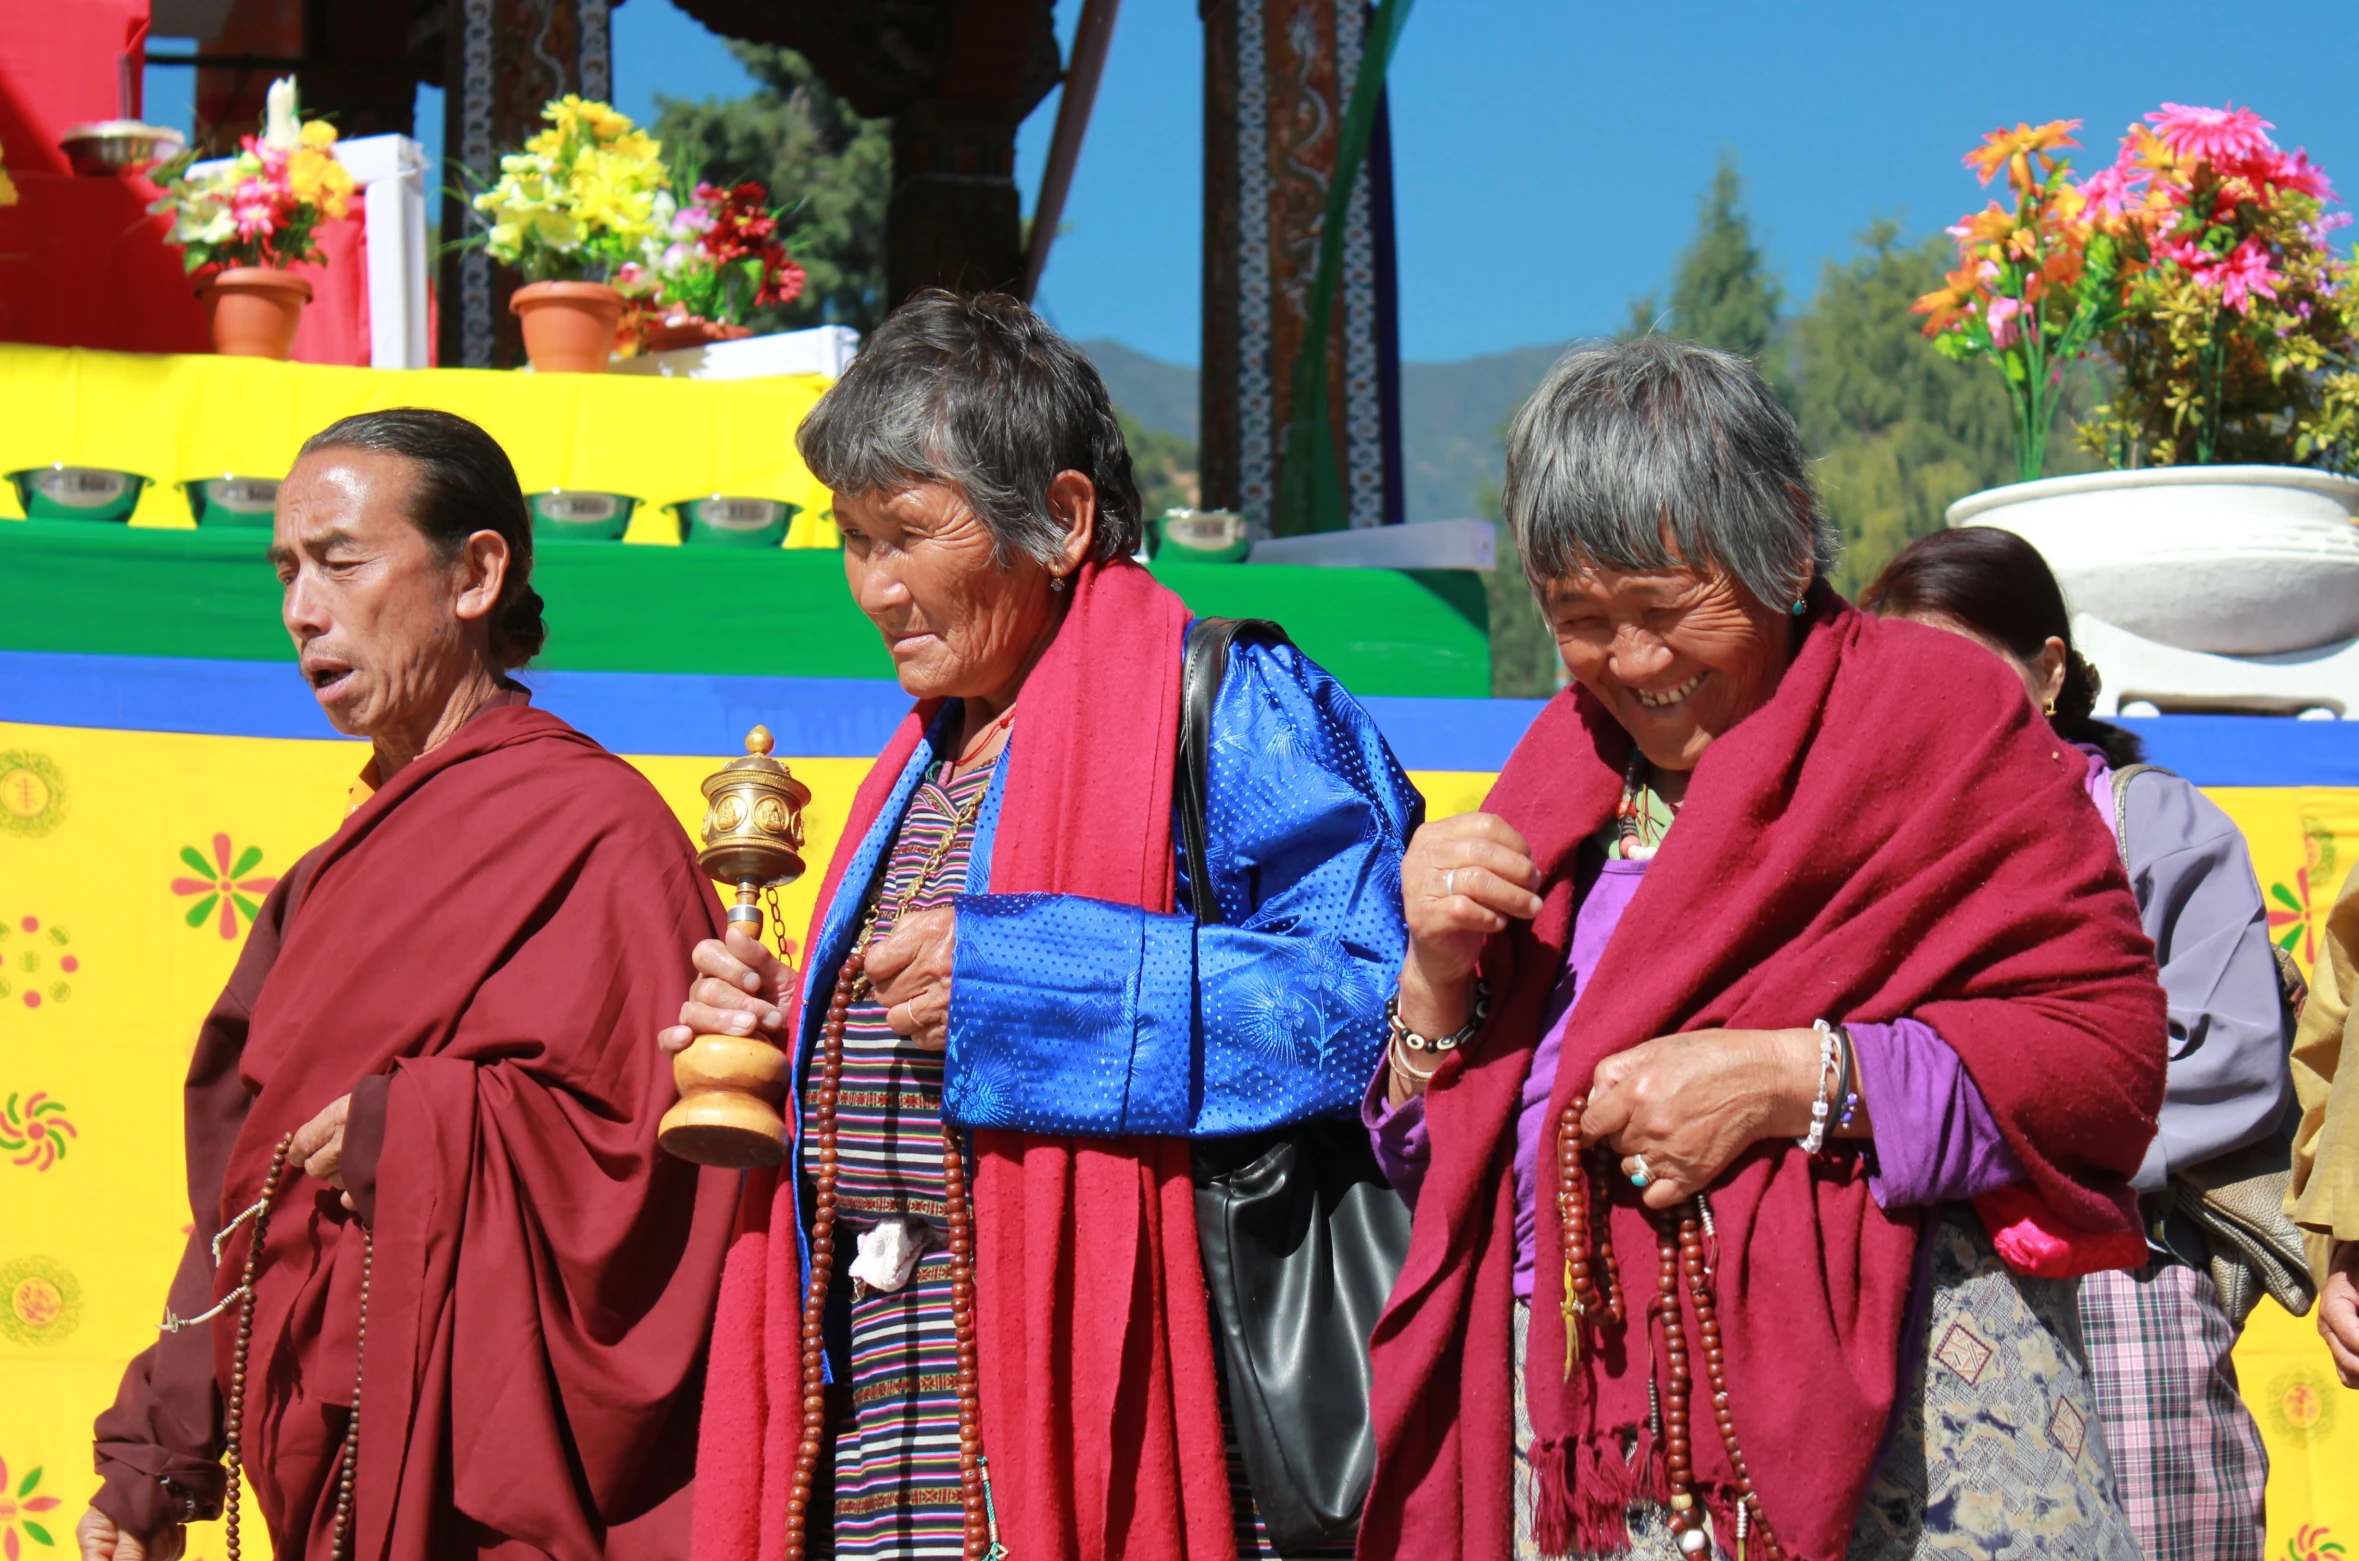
(35, 962)
(34, 1130)
(23, 1510)
(2310, 1543)
(32, 793)
(223, 884)
(40, 1300)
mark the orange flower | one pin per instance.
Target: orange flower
(1945, 304)
(1991, 225)
(2012, 149)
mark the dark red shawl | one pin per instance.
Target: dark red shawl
(1885, 837)
(501, 927)
(1101, 1413)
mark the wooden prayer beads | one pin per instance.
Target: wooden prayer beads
(974, 1487)
(1584, 1256)
(234, 1413)
(1683, 1282)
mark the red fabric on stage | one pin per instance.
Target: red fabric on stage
(1101, 1412)
(335, 326)
(500, 926)
(1882, 838)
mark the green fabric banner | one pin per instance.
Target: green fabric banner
(615, 607)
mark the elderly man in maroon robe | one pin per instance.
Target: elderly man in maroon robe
(435, 1036)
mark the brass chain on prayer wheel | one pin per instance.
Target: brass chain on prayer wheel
(981, 1540)
(234, 1419)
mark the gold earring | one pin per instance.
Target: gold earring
(1056, 582)
(2051, 710)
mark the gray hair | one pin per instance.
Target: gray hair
(1633, 448)
(978, 392)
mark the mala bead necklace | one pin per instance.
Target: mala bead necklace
(1696, 1269)
(851, 984)
(1584, 1258)
(234, 1418)
(1683, 1283)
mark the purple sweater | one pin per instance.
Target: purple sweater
(1934, 1136)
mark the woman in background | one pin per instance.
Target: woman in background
(2185, 1449)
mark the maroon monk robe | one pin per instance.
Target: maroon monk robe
(494, 934)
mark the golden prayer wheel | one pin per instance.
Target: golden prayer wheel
(731, 1085)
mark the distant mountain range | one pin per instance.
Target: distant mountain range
(1453, 415)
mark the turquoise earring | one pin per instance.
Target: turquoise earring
(1798, 607)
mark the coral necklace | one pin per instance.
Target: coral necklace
(1632, 816)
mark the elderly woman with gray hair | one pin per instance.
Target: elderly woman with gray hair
(1764, 1060)
(970, 1310)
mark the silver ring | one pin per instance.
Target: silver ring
(1449, 882)
(1640, 1175)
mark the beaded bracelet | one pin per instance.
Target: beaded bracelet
(1402, 1035)
(1844, 1075)
(1830, 1056)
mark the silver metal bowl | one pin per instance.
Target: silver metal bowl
(111, 146)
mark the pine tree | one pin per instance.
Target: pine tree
(1722, 294)
(830, 169)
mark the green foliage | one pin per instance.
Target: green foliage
(828, 168)
(1722, 294)
(1524, 662)
(1901, 430)
(1164, 465)
(2201, 383)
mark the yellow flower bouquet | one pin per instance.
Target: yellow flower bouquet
(263, 206)
(579, 200)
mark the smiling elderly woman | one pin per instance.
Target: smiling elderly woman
(1764, 958)
(995, 950)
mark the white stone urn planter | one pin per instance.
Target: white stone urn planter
(2232, 560)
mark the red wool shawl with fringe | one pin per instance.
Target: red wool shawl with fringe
(1890, 835)
(1100, 1410)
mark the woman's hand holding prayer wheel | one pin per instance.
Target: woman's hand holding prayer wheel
(741, 988)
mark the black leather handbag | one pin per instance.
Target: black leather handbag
(1301, 1236)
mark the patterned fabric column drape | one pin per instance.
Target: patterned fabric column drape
(1278, 74)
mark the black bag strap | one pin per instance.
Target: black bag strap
(1201, 671)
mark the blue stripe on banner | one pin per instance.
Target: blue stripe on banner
(851, 718)
(630, 712)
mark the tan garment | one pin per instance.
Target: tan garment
(2323, 1196)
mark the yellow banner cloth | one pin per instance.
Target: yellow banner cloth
(128, 865)
(658, 440)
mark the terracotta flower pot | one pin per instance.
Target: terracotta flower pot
(675, 332)
(568, 326)
(254, 312)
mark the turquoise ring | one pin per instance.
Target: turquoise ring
(1639, 1174)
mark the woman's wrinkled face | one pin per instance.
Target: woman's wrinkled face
(959, 622)
(1678, 655)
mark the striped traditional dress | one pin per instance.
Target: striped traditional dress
(896, 1448)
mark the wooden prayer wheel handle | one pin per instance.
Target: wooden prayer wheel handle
(728, 1115)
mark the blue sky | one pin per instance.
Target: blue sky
(1549, 153)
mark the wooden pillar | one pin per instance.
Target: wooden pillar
(1277, 75)
(954, 219)
(506, 59)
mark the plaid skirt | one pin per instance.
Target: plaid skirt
(2185, 1449)
(1995, 1452)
